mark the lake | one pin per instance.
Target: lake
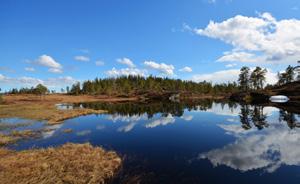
(189, 142)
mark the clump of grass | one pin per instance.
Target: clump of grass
(46, 112)
(7, 139)
(24, 134)
(14, 136)
(70, 163)
(68, 114)
(68, 130)
(10, 126)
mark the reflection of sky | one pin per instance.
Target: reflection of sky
(225, 110)
(162, 121)
(51, 130)
(267, 149)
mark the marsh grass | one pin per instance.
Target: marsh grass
(41, 112)
(70, 163)
(68, 130)
(15, 135)
(10, 126)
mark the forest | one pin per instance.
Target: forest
(248, 80)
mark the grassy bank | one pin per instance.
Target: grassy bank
(70, 163)
(47, 112)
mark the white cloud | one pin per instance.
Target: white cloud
(187, 117)
(127, 128)
(161, 121)
(29, 69)
(30, 81)
(267, 149)
(82, 58)
(238, 57)
(2, 77)
(60, 81)
(230, 75)
(260, 39)
(55, 70)
(125, 72)
(99, 63)
(51, 130)
(48, 61)
(134, 118)
(230, 65)
(83, 133)
(161, 67)
(186, 69)
(219, 76)
(27, 81)
(126, 61)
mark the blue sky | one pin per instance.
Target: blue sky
(59, 42)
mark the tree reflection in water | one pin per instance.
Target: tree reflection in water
(267, 149)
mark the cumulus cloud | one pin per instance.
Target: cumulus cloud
(219, 76)
(126, 61)
(230, 75)
(127, 128)
(128, 118)
(161, 121)
(99, 63)
(160, 67)
(268, 149)
(82, 58)
(52, 129)
(125, 72)
(260, 39)
(186, 69)
(29, 69)
(48, 61)
(187, 117)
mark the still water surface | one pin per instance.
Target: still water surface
(203, 142)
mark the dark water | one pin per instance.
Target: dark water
(194, 142)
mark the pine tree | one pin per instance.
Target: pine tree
(244, 78)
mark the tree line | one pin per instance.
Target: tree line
(38, 90)
(256, 79)
(137, 85)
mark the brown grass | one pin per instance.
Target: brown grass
(14, 136)
(68, 130)
(7, 139)
(43, 108)
(61, 98)
(70, 163)
(46, 112)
